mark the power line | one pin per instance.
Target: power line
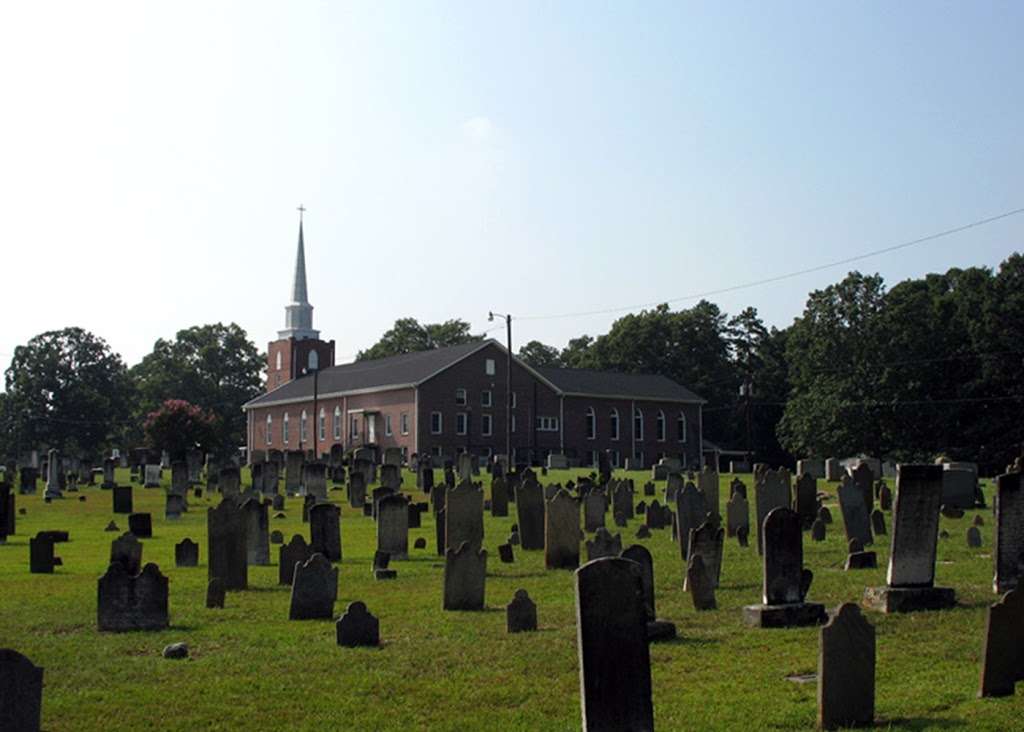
(892, 403)
(788, 275)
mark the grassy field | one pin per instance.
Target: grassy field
(251, 668)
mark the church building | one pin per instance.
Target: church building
(446, 401)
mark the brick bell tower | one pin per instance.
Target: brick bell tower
(298, 348)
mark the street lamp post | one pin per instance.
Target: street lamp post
(508, 385)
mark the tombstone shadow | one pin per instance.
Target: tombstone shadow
(920, 723)
(684, 641)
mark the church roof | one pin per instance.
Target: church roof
(412, 369)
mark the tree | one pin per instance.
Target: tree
(66, 389)
(177, 426)
(407, 335)
(577, 354)
(536, 353)
(215, 367)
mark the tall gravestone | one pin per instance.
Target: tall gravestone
(356, 490)
(126, 551)
(464, 515)
(293, 462)
(499, 498)
(8, 512)
(257, 531)
(1008, 545)
(785, 581)
(314, 480)
(707, 484)
(393, 526)
(226, 545)
(707, 540)
(390, 476)
(314, 589)
(806, 499)
(915, 532)
(771, 491)
(604, 544)
(21, 692)
(594, 506)
(1002, 657)
(562, 532)
(132, 602)
(179, 478)
(53, 475)
(611, 639)
(530, 513)
(864, 478)
(691, 512)
(108, 474)
(833, 470)
(846, 670)
(856, 519)
(229, 481)
(325, 530)
(465, 573)
(656, 629)
(122, 497)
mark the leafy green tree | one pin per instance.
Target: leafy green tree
(215, 367)
(66, 389)
(407, 335)
(536, 353)
(176, 426)
(577, 354)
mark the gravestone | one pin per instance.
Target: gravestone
(594, 504)
(521, 613)
(1008, 535)
(151, 476)
(857, 558)
(108, 474)
(878, 522)
(41, 559)
(141, 524)
(465, 467)
(707, 484)
(604, 545)
(818, 532)
(186, 553)
(499, 497)
(307, 503)
(377, 495)
(21, 692)
(915, 525)
(390, 477)
(655, 516)
(297, 551)
(229, 481)
(325, 530)
(179, 478)
(314, 589)
(561, 532)
(257, 531)
(785, 581)
(126, 550)
(825, 515)
(1002, 659)
(314, 479)
(380, 566)
(672, 488)
(707, 540)
(293, 462)
(174, 506)
(132, 602)
(426, 478)
(656, 629)
(833, 470)
(973, 537)
(691, 512)
(465, 572)
(8, 512)
(885, 497)
(846, 670)
(806, 490)
(464, 516)
(737, 514)
(699, 584)
(771, 491)
(440, 527)
(864, 479)
(122, 495)
(611, 639)
(227, 548)
(393, 526)
(959, 488)
(737, 486)
(530, 514)
(815, 467)
(54, 475)
(358, 627)
(856, 519)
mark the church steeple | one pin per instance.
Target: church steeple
(299, 313)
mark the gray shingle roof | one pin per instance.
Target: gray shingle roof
(615, 384)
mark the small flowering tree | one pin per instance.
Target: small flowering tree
(178, 425)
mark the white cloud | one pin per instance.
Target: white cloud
(479, 130)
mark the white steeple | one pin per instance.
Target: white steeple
(298, 318)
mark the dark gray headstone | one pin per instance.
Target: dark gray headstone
(226, 549)
(141, 524)
(186, 553)
(21, 692)
(215, 593)
(878, 522)
(1008, 542)
(257, 531)
(505, 553)
(806, 490)
(562, 532)
(393, 526)
(126, 550)
(521, 613)
(707, 540)
(846, 670)
(783, 558)
(818, 530)
(973, 537)
(604, 544)
(864, 479)
(699, 584)
(41, 559)
(314, 589)
(464, 506)
(357, 627)
(915, 526)
(325, 530)
(132, 602)
(297, 551)
(771, 491)
(530, 514)
(856, 519)
(691, 511)
(1002, 660)
(465, 572)
(122, 497)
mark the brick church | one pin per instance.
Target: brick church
(451, 400)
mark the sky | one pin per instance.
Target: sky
(454, 158)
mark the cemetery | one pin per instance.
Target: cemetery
(634, 604)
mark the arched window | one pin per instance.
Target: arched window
(278, 360)
(660, 426)
(337, 423)
(270, 429)
(322, 425)
(681, 427)
(615, 424)
(314, 361)
(302, 427)
(638, 424)
(284, 429)
(591, 423)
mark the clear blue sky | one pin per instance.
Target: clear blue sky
(531, 158)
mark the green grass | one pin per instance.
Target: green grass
(251, 668)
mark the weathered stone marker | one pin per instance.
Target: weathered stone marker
(604, 545)
(691, 511)
(226, 545)
(699, 585)
(465, 572)
(530, 514)
(707, 540)
(122, 497)
(358, 627)
(393, 526)
(141, 524)
(325, 530)
(561, 532)
(771, 491)
(314, 589)
(1008, 543)
(296, 551)
(856, 519)
(915, 525)
(1002, 660)
(806, 494)
(186, 553)
(846, 670)
(857, 558)
(521, 613)
(21, 692)
(132, 602)
(464, 506)
(126, 550)
(215, 593)
(611, 638)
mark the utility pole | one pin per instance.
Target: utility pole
(508, 385)
(747, 392)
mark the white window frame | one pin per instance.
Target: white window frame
(403, 423)
(387, 425)
(660, 427)
(313, 360)
(486, 425)
(285, 432)
(353, 427)
(486, 398)
(461, 423)
(513, 399)
(436, 450)
(461, 397)
(638, 420)
(616, 424)
(547, 424)
(278, 361)
(681, 421)
(337, 423)
(590, 423)
(322, 425)
(439, 419)
(489, 368)
(270, 429)
(302, 427)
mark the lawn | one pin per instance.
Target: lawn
(251, 668)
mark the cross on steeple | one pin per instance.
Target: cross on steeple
(301, 209)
